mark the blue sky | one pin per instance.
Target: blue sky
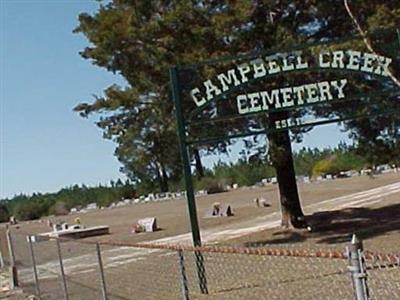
(44, 144)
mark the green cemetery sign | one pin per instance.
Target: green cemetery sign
(282, 89)
(291, 96)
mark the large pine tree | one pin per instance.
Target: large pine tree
(141, 40)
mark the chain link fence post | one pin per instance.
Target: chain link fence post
(184, 281)
(64, 282)
(35, 273)
(357, 269)
(398, 37)
(201, 272)
(101, 270)
(2, 264)
(13, 268)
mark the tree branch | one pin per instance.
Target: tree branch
(365, 39)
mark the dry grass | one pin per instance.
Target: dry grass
(172, 215)
(233, 276)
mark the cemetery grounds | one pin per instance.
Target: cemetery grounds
(336, 209)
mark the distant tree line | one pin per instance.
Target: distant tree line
(37, 205)
(245, 172)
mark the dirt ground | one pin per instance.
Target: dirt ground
(378, 222)
(334, 208)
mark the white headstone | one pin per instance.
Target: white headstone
(149, 224)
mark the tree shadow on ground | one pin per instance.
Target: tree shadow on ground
(281, 237)
(337, 226)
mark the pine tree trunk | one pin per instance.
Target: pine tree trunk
(199, 165)
(159, 179)
(164, 180)
(282, 160)
(162, 177)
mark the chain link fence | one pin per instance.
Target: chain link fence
(78, 269)
(383, 275)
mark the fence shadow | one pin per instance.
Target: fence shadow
(337, 226)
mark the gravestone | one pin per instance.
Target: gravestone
(148, 224)
(13, 220)
(219, 211)
(49, 223)
(261, 202)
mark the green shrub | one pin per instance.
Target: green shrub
(324, 166)
(28, 210)
(212, 185)
(58, 209)
(4, 213)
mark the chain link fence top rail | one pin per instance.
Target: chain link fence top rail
(154, 271)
